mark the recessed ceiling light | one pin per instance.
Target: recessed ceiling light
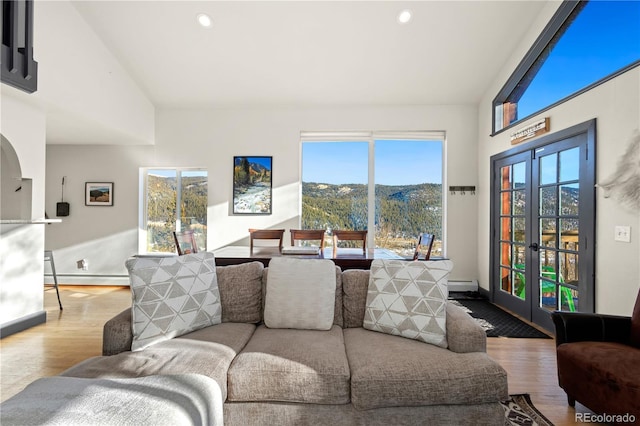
(404, 16)
(204, 20)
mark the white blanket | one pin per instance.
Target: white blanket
(188, 399)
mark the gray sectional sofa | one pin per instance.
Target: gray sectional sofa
(347, 375)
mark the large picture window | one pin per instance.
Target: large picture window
(585, 44)
(173, 199)
(388, 184)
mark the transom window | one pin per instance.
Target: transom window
(173, 199)
(387, 183)
(585, 44)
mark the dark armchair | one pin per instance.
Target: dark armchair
(599, 360)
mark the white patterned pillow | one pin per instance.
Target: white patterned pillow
(172, 296)
(301, 294)
(409, 299)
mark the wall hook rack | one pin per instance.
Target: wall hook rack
(462, 190)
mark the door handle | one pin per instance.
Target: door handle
(534, 246)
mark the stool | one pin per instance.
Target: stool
(48, 256)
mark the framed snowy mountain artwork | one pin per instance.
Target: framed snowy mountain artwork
(252, 185)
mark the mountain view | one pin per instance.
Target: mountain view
(161, 210)
(402, 211)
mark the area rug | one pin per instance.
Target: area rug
(497, 322)
(519, 410)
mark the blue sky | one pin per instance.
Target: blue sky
(398, 162)
(604, 38)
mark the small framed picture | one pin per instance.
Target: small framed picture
(98, 194)
(252, 185)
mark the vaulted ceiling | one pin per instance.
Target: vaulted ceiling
(308, 52)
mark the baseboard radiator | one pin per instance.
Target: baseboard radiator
(462, 285)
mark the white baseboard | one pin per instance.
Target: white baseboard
(79, 279)
(461, 285)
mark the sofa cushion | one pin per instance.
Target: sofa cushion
(635, 323)
(409, 299)
(390, 371)
(241, 292)
(300, 294)
(355, 283)
(157, 400)
(337, 310)
(604, 376)
(172, 296)
(305, 366)
(208, 351)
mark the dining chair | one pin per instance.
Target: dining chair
(265, 234)
(185, 242)
(307, 235)
(349, 236)
(425, 243)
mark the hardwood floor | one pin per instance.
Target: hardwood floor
(75, 334)
(68, 337)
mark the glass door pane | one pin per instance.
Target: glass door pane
(558, 219)
(512, 207)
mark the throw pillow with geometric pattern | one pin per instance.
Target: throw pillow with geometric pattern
(409, 299)
(172, 296)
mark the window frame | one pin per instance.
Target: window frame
(557, 23)
(143, 203)
(370, 137)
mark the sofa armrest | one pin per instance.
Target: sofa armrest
(464, 334)
(581, 327)
(117, 334)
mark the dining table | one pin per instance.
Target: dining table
(345, 258)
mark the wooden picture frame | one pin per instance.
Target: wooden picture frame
(98, 194)
(252, 185)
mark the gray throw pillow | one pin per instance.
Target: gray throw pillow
(172, 296)
(409, 299)
(241, 292)
(301, 294)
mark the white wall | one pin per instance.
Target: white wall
(81, 88)
(210, 138)
(104, 235)
(83, 85)
(22, 246)
(616, 107)
(12, 196)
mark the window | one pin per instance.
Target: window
(174, 199)
(389, 184)
(584, 44)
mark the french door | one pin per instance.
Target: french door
(543, 225)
